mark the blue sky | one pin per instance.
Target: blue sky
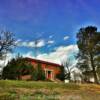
(53, 22)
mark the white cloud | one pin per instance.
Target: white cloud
(2, 63)
(5, 61)
(66, 37)
(41, 43)
(31, 44)
(50, 42)
(61, 53)
(29, 54)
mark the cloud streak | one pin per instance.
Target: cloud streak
(66, 37)
(31, 44)
(50, 41)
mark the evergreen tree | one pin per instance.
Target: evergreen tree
(16, 68)
(88, 41)
(38, 73)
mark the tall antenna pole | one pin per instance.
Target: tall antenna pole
(36, 48)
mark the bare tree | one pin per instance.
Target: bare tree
(68, 69)
(6, 43)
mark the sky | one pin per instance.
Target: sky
(53, 23)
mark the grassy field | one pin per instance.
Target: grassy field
(25, 90)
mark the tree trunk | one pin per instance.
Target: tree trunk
(94, 70)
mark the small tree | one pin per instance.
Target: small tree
(38, 73)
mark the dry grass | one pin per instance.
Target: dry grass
(22, 90)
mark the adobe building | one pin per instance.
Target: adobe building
(50, 69)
